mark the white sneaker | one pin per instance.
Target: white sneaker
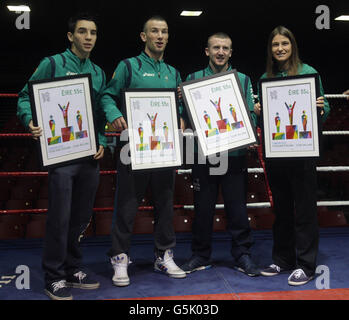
(120, 264)
(168, 266)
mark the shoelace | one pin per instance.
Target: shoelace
(298, 273)
(81, 275)
(59, 285)
(119, 263)
(169, 262)
(274, 266)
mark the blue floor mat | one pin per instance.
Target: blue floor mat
(222, 278)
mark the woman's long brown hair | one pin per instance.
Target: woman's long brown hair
(294, 61)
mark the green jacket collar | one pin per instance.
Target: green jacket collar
(74, 57)
(282, 73)
(145, 56)
(209, 71)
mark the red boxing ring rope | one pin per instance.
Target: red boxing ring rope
(39, 211)
(8, 95)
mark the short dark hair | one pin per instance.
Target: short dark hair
(154, 17)
(80, 16)
(220, 35)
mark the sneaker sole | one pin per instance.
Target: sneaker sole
(249, 274)
(269, 274)
(199, 269)
(53, 297)
(175, 276)
(121, 283)
(83, 286)
(291, 283)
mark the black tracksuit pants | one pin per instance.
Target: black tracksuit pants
(130, 190)
(72, 191)
(206, 187)
(295, 230)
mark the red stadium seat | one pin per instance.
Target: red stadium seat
(18, 204)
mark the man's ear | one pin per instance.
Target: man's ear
(207, 52)
(70, 36)
(143, 36)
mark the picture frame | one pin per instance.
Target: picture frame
(290, 117)
(62, 107)
(153, 128)
(218, 112)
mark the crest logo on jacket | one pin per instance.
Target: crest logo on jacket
(148, 74)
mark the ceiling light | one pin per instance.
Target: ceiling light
(19, 8)
(191, 13)
(342, 18)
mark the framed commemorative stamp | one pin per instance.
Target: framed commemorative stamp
(290, 116)
(219, 113)
(62, 107)
(153, 128)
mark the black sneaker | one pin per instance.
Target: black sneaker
(196, 263)
(298, 278)
(273, 270)
(246, 265)
(81, 280)
(58, 291)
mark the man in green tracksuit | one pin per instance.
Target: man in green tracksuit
(233, 181)
(148, 70)
(72, 188)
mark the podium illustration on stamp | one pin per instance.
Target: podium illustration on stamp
(156, 143)
(237, 124)
(292, 132)
(223, 124)
(210, 132)
(67, 131)
(278, 135)
(53, 140)
(305, 134)
(166, 145)
(80, 134)
(141, 146)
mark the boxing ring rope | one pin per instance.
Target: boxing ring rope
(26, 135)
(179, 172)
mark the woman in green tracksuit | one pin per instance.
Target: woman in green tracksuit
(293, 182)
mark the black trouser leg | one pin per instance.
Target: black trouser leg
(130, 189)
(284, 254)
(205, 195)
(84, 193)
(234, 194)
(295, 229)
(162, 189)
(306, 221)
(65, 217)
(60, 184)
